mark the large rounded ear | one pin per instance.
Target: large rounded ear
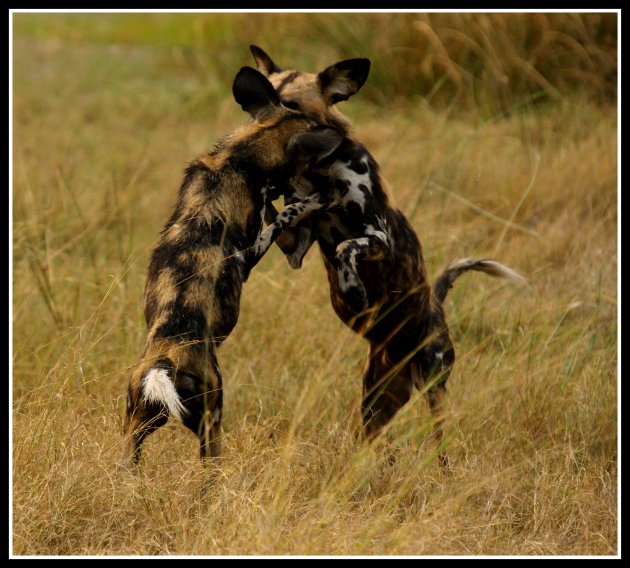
(312, 147)
(264, 63)
(253, 91)
(342, 80)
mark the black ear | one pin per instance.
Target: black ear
(342, 80)
(314, 146)
(264, 63)
(253, 91)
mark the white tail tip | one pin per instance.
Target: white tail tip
(494, 268)
(157, 386)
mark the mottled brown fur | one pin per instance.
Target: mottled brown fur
(197, 269)
(403, 318)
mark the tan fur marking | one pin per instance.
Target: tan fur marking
(214, 161)
(305, 90)
(165, 287)
(174, 232)
(232, 204)
(197, 294)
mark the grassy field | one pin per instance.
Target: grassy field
(498, 144)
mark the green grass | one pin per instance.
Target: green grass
(107, 112)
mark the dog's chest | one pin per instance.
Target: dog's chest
(352, 187)
(355, 211)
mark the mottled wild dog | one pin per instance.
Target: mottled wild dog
(203, 256)
(378, 281)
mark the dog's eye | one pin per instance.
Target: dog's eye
(293, 105)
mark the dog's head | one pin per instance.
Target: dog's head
(265, 95)
(281, 134)
(316, 94)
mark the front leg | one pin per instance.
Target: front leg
(370, 248)
(290, 216)
(293, 239)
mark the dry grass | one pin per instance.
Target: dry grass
(101, 135)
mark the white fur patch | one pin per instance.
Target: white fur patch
(157, 386)
(440, 357)
(216, 416)
(501, 271)
(371, 231)
(382, 223)
(342, 171)
(349, 262)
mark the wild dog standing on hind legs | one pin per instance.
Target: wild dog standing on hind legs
(203, 256)
(378, 281)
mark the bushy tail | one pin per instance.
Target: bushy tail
(158, 387)
(456, 268)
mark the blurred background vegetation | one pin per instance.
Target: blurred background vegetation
(488, 62)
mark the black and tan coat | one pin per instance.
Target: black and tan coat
(204, 255)
(379, 285)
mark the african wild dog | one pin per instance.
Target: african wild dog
(378, 281)
(203, 256)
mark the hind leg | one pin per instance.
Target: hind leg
(437, 371)
(209, 428)
(386, 389)
(142, 418)
(435, 398)
(203, 399)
